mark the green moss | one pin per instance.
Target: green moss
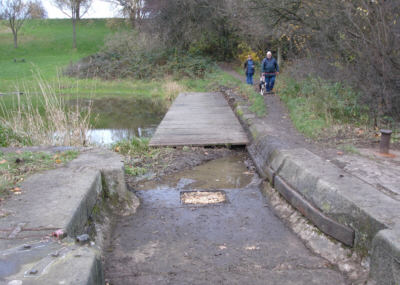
(135, 170)
(326, 207)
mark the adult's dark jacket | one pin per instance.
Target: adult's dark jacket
(249, 66)
(269, 66)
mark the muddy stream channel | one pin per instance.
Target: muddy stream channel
(210, 225)
(206, 225)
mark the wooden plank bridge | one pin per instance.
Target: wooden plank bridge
(199, 119)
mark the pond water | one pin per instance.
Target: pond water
(116, 119)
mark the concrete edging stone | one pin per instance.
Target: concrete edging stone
(62, 198)
(373, 216)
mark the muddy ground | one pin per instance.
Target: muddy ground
(237, 241)
(171, 160)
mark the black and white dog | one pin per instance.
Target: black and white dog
(263, 90)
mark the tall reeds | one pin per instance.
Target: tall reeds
(45, 118)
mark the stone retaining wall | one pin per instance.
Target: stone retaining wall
(339, 204)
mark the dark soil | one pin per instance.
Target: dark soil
(170, 160)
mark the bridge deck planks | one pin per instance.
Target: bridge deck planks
(199, 119)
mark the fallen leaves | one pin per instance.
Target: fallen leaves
(16, 190)
(57, 158)
(16, 166)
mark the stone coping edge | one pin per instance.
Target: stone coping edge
(356, 214)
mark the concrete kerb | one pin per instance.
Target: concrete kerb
(111, 167)
(352, 204)
(62, 198)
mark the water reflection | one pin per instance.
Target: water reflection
(110, 136)
(116, 119)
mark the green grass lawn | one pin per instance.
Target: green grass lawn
(46, 47)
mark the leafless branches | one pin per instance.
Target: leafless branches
(15, 12)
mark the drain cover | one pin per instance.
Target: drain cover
(203, 197)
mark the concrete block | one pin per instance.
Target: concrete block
(79, 266)
(325, 224)
(62, 198)
(385, 257)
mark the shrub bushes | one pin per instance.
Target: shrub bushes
(138, 56)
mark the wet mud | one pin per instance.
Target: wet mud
(239, 241)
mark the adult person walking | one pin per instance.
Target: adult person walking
(269, 68)
(249, 69)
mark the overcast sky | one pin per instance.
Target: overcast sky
(99, 9)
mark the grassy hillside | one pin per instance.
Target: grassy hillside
(46, 46)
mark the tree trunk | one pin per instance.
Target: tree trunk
(78, 16)
(132, 18)
(15, 39)
(73, 33)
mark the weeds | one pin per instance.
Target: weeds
(171, 90)
(315, 104)
(138, 155)
(135, 170)
(43, 118)
(8, 137)
(134, 147)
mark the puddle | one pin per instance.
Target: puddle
(224, 173)
(12, 260)
(116, 119)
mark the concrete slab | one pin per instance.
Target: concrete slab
(62, 198)
(381, 173)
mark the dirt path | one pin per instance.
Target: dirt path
(239, 241)
(283, 126)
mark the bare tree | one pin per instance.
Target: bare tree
(74, 9)
(134, 9)
(361, 38)
(37, 11)
(15, 12)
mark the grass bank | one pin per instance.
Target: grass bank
(319, 108)
(46, 45)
